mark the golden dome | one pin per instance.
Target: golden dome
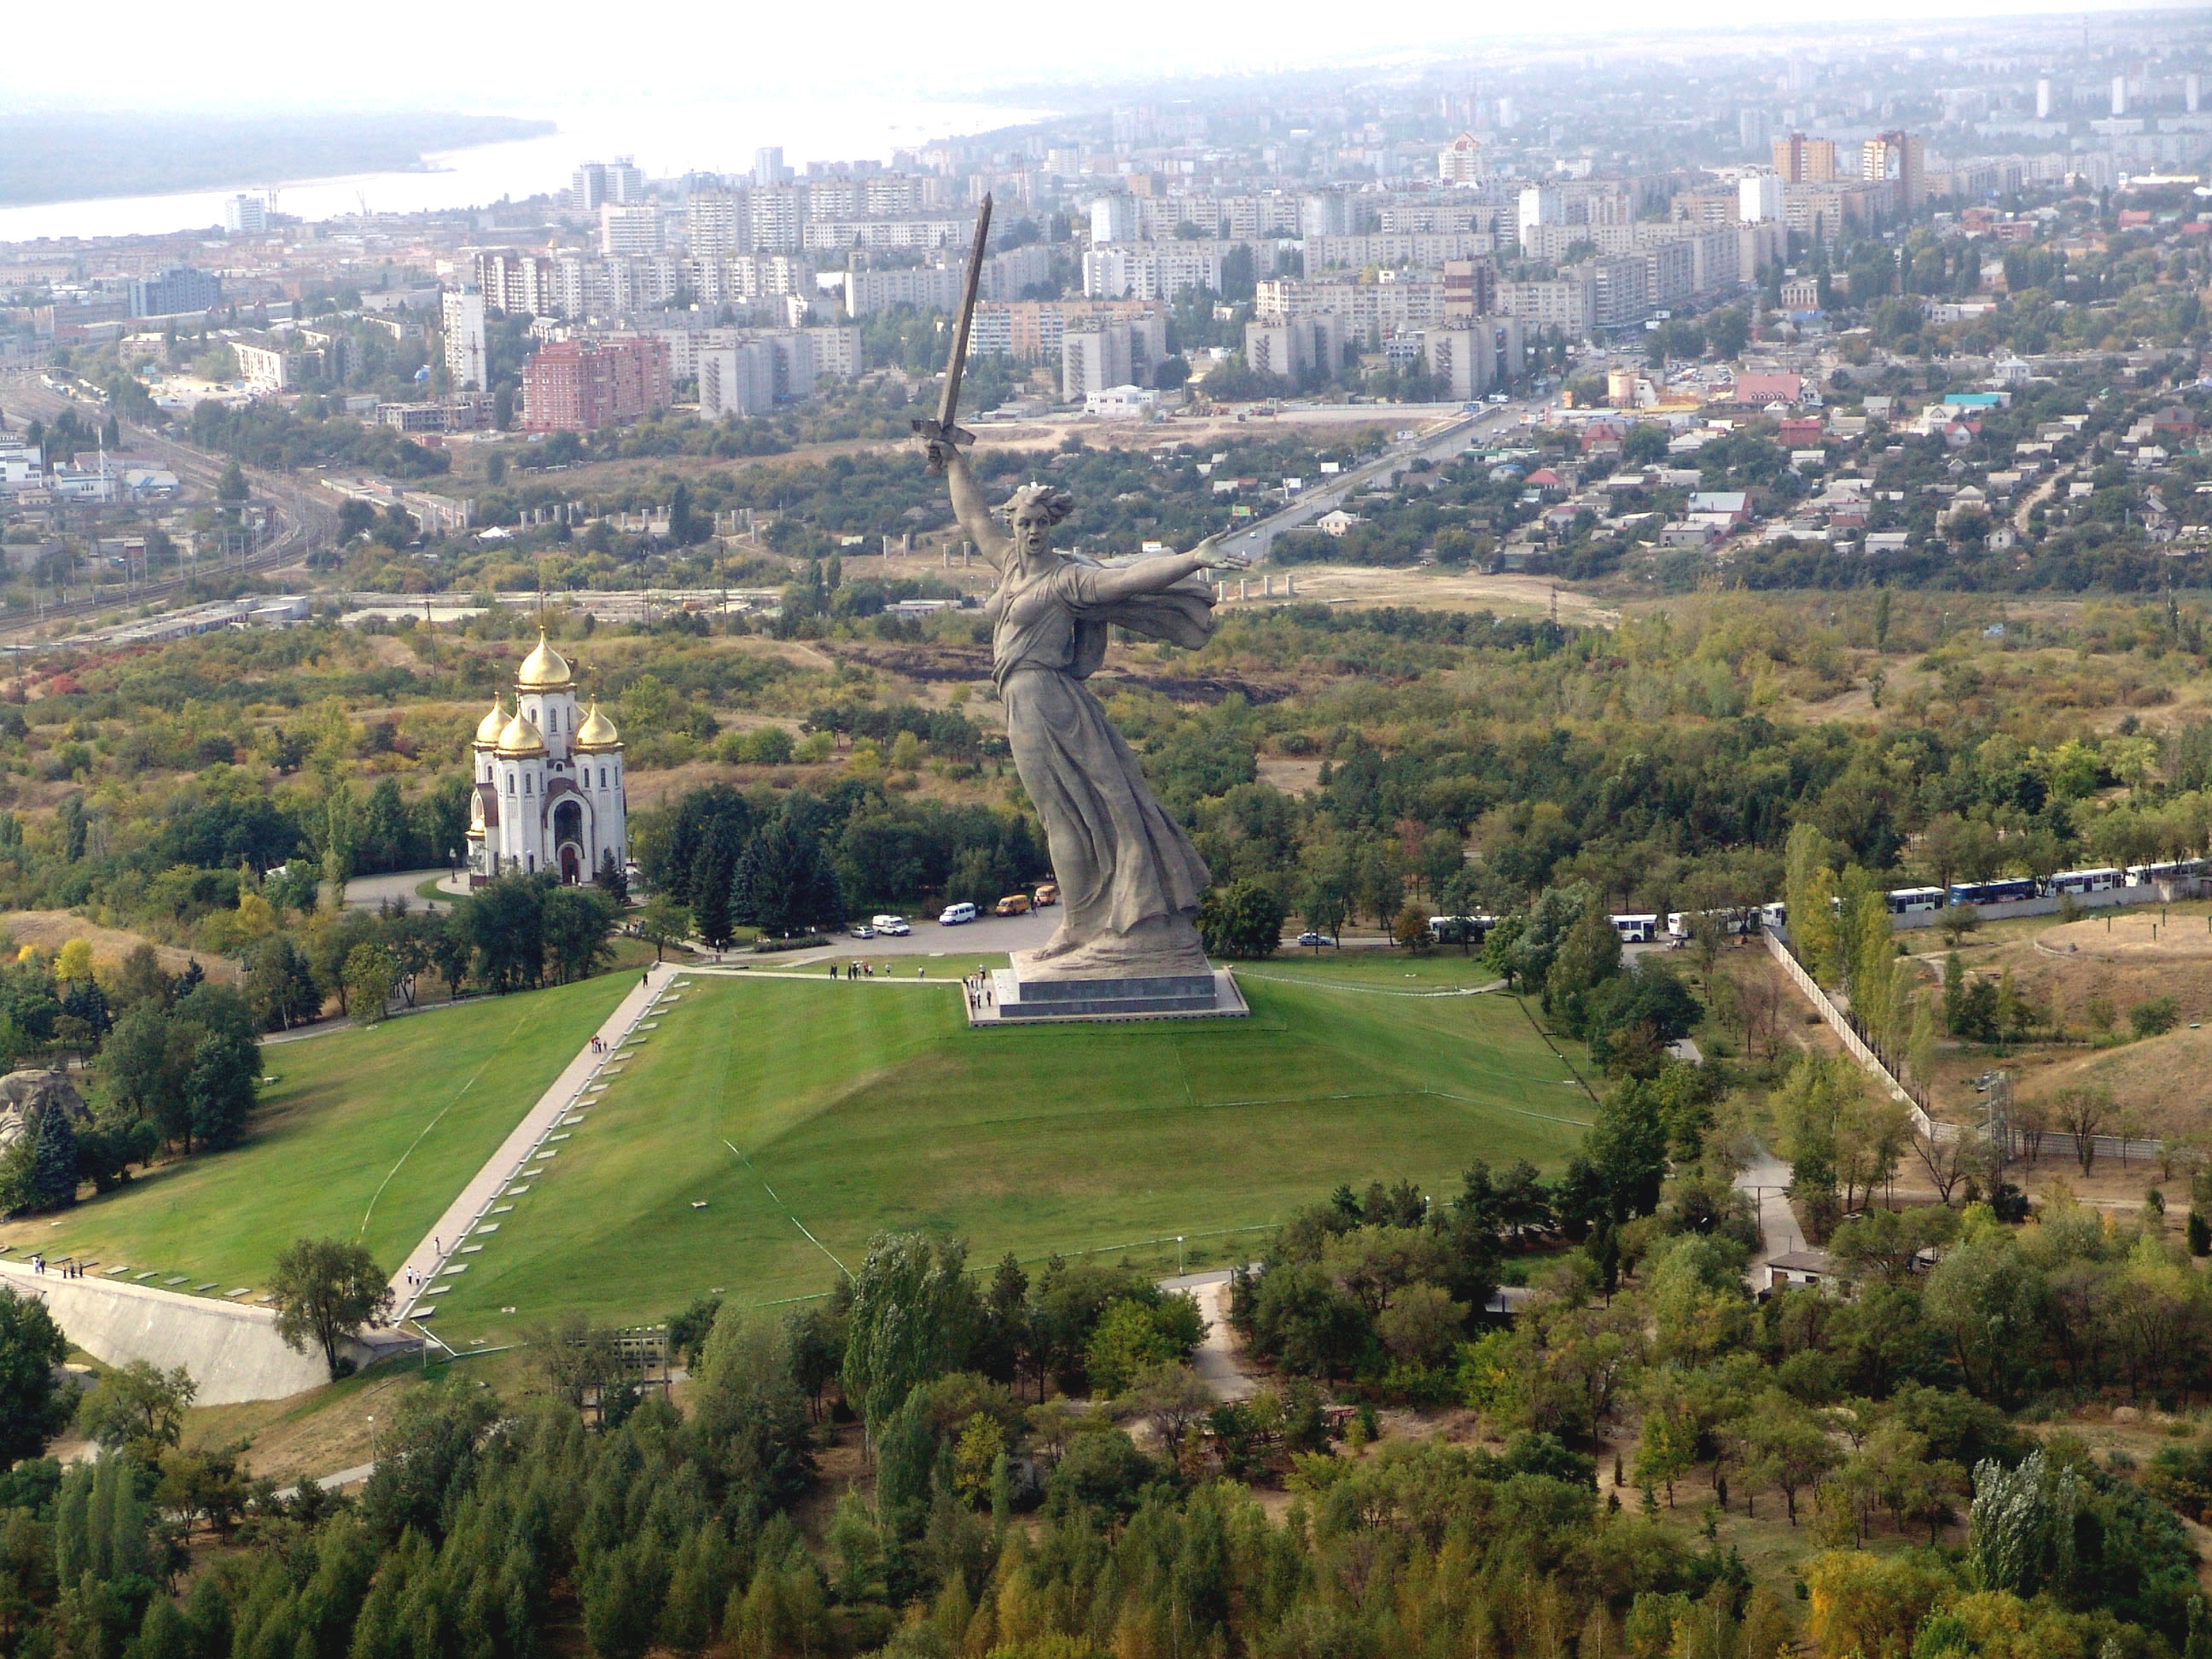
(489, 728)
(597, 732)
(544, 669)
(521, 736)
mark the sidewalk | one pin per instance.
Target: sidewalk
(438, 1247)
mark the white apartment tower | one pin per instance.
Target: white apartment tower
(468, 368)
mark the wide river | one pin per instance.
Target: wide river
(665, 140)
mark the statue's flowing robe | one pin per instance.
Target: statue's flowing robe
(1117, 855)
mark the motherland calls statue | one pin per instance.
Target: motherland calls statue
(1129, 878)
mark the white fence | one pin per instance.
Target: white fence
(1854, 1044)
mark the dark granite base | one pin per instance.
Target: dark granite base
(1013, 1000)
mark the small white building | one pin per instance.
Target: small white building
(1121, 403)
(548, 781)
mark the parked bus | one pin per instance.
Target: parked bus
(1904, 901)
(1635, 930)
(2143, 875)
(2009, 890)
(2086, 881)
(1680, 923)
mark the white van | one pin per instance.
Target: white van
(953, 914)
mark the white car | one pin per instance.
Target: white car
(892, 926)
(953, 915)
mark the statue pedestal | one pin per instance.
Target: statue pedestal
(1016, 999)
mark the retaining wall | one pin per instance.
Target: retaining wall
(233, 1354)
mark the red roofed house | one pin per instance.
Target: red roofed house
(2176, 423)
(1798, 432)
(1545, 479)
(1764, 389)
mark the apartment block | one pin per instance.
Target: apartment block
(468, 365)
(576, 385)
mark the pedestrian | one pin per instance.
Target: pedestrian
(437, 1248)
(921, 973)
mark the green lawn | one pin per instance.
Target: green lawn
(367, 1134)
(760, 1105)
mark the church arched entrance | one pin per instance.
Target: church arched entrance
(568, 836)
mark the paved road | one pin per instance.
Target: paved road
(986, 937)
(1766, 1179)
(1216, 1358)
(1434, 443)
(366, 892)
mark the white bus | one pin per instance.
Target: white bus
(1635, 930)
(2086, 881)
(1904, 901)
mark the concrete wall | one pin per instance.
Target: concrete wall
(234, 1353)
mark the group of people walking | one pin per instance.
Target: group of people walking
(68, 1269)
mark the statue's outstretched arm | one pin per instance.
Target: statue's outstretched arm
(972, 510)
(1156, 575)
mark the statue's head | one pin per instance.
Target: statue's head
(1032, 513)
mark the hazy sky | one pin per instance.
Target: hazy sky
(466, 56)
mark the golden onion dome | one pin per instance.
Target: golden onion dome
(489, 727)
(521, 736)
(597, 732)
(544, 669)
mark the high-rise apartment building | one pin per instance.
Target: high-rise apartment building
(2042, 98)
(625, 184)
(176, 289)
(573, 385)
(1803, 160)
(246, 216)
(468, 367)
(772, 220)
(629, 232)
(1113, 219)
(1759, 197)
(1899, 160)
(769, 167)
(713, 221)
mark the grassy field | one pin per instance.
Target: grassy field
(367, 1134)
(762, 1111)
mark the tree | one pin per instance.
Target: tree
(914, 1318)
(140, 1407)
(230, 488)
(1244, 920)
(53, 1160)
(280, 987)
(663, 921)
(612, 879)
(33, 1407)
(324, 1289)
(1955, 922)
(1126, 1343)
(369, 974)
(785, 885)
(575, 922)
(1176, 1398)
(2081, 1110)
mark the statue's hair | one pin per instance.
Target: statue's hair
(1057, 504)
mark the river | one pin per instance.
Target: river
(665, 139)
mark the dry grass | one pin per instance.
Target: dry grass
(49, 930)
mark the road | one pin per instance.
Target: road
(1434, 443)
(366, 892)
(984, 937)
(301, 520)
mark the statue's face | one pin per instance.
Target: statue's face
(1032, 528)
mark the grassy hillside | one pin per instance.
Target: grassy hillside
(366, 1134)
(759, 1107)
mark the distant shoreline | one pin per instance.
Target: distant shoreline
(56, 161)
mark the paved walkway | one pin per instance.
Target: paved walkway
(468, 1207)
(1766, 1178)
(1215, 1359)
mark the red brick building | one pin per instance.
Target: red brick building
(576, 386)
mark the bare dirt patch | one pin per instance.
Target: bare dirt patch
(1292, 777)
(1438, 590)
(49, 930)
(2131, 936)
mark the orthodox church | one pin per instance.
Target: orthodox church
(549, 780)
